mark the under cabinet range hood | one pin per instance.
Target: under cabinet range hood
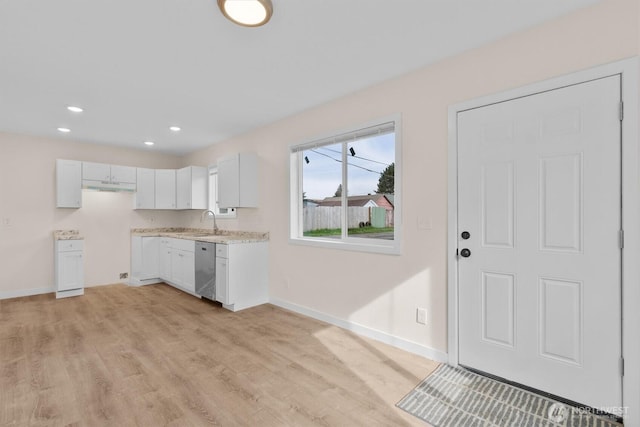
(88, 184)
(104, 177)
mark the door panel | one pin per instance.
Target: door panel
(498, 205)
(498, 308)
(539, 193)
(561, 203)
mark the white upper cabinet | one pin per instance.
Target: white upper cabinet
(146, 189)
(238, 181)
(96, 171)
(191, 191)
(125, 174)
(108, 173)
(68, 183)
(165, 188)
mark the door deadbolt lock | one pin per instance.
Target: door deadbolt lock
(465, 253)
(465, 235)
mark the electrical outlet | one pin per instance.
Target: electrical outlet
(421, 315)
(124, 275)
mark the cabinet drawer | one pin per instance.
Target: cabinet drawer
(69, 245)
(221, 250)
(183, 245)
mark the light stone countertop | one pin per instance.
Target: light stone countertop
(67, 235)
(203, 234)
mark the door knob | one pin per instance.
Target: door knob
(465, 235)
(465, 253)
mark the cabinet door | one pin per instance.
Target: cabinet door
(192, 187)
(183, 188)
(165, 189)
(68, 184)
(70, 271)
(150, 258)
(222, 281)
(125, 174)
(238, 181)
(96, 171)
(188, 271)
(199, 187)
(229, 182)
(145, 189)
(164, 260)
(176, 267)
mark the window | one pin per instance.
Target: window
(345, 189)
(213, 196)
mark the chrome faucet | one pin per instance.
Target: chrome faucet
(207, 212)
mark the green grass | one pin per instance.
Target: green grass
(352, 231)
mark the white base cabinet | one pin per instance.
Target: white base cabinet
(157, 259)
(183, 264)
(145, 262)
(242, 269)
(242, 275)
(69, 268)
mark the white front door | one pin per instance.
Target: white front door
(540, 270)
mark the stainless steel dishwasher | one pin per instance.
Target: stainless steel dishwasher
(206, 270)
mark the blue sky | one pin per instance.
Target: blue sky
(322, 175)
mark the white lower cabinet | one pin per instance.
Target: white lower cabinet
(145, 261)
(165, 259)
(183, 269)
(242, 275)
(177, 263)
(69, 268)
(241, 268)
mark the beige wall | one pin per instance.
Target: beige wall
(27, 200)
(382, 292)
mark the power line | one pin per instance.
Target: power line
(357, 157)
(350, 164)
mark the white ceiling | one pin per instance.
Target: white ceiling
(139, 66)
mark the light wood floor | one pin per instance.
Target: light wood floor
(153, 356)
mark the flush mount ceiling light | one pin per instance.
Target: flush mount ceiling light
(248, 13)
(149, 143)
(174, 128)
(74, 109)
(64, 130)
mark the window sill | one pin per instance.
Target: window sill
(356, 245)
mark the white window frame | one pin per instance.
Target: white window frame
(296, 221)
(213, 195)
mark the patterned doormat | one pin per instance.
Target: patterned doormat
(453, 397)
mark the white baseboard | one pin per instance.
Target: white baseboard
(410, 346)
(25, 292)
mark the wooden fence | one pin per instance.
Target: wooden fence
(329, 217)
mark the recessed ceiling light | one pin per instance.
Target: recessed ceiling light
(248, 13)
(149, 143)
(64, 130)
(74, 109)
(174, 128)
